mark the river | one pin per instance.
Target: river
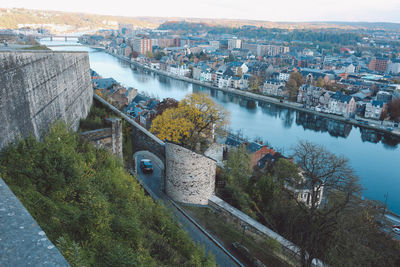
(375, 157)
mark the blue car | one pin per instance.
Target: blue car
(146, 166)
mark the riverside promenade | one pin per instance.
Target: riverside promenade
(373, 125)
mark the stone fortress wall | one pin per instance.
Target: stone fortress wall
(37, 88)
(40, 87)
(190, 177)
(107, 138)
(143, 140)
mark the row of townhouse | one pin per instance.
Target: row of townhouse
(322, 100)
(275, 88)
(179, 70)
(230, 75)
(225, 81)
(342, 104)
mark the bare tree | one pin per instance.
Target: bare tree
(394, 109)
(317, 223)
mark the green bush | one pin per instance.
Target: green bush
(90, 208)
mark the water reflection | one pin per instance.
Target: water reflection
(322, 124)
(288, 119)
(272, 109)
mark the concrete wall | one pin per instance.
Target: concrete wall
(288, 251)
(38, 88)
(23, 242)
(256, 229)
(190, 177)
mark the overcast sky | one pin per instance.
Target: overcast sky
(286, 10)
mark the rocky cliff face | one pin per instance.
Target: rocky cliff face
(38, 88)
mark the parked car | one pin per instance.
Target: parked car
(396, 229)
(146, 166)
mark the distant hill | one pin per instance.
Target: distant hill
(65, 21)
(73, 22)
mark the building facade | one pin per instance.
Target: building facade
(142, 45)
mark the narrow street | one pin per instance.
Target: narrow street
(153, 182)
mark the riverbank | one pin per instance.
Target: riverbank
(372, 154)
(258, 97)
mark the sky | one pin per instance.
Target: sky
(287, 10)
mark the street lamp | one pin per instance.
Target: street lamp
(245, 227)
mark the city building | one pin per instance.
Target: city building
(393, 67)
(374, 109)
(214, 44)
(234, 43)
(378, 64)
(342, 104)
(142, 45)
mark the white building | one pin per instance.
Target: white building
(179, 70)
(224, 82)
(205, 76)
(374, 109)
(349, 68)
(284, 76)
(304, 193)
(393, 67)
(342, 104)
(234, 43)
(275, 88)
(214, 44)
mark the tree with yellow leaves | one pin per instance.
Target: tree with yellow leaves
(172, 126)
(194, 120)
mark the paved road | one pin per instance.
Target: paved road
(153, 182)
(394, 221)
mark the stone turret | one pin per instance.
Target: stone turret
(190, 177)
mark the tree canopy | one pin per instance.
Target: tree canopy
(342, 230)
(293, 84)
(394, 109)
(194, 120)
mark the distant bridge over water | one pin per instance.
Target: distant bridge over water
(64, 45)
(50, 36)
